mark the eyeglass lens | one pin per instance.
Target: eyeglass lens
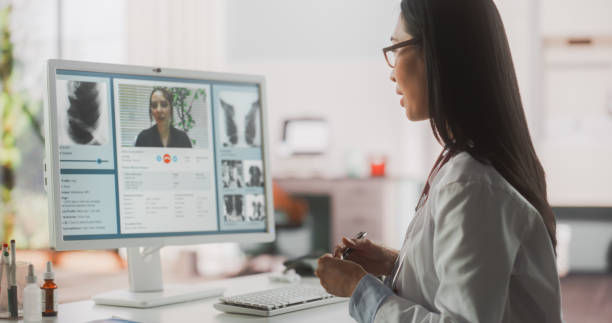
(391, 57)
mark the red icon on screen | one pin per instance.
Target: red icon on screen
(167, 158)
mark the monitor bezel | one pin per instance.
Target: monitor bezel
(52, 170)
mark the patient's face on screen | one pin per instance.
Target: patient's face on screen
(160, 107)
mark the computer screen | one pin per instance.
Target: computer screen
(141, 156)
(305, 136)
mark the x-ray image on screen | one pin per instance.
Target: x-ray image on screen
(232, 174)
(83, 113)
(255, 207)
(253, 173)
(239, 121)
(233, 208)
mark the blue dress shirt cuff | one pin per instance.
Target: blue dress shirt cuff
(367, 297)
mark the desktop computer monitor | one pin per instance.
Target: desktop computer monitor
(143, 157)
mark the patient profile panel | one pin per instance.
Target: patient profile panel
(88, 209)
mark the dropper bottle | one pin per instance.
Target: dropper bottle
(49, 289)
(31, 298)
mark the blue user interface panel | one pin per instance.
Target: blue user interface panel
(144, 156)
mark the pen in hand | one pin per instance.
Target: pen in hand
(347, 251)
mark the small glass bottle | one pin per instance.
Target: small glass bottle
(49, 290)
(31, 298)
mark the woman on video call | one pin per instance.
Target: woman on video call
(481, 246)
(162, 134)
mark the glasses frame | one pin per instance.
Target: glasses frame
(410, 42)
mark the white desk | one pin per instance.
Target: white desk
(203, 311)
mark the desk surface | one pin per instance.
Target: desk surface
(202, 310)
(586, 298)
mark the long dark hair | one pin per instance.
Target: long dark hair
(474, 100)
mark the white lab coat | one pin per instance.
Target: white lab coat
(476, 251)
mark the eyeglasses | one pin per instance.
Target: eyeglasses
(391, 54)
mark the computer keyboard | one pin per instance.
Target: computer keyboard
(277, 301)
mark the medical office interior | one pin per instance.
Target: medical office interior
(343, 157)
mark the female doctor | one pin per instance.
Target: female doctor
(481, 246)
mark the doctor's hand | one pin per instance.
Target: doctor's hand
(374, 258)
(339, 277)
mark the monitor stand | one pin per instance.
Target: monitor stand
(146, 286)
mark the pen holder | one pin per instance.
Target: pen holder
(21, 272)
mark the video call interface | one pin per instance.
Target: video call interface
(145, 156)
